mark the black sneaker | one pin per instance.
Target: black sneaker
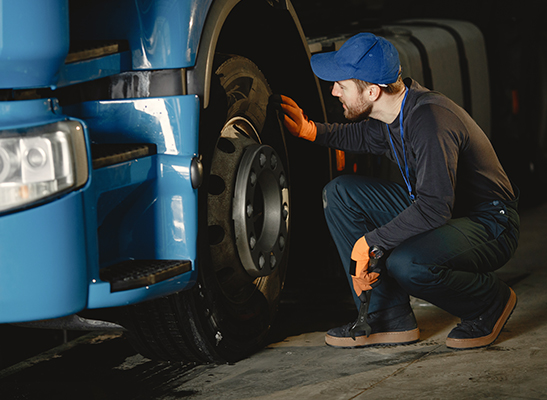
(484, 330)
(396, 325)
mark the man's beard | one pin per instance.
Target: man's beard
(359, 113)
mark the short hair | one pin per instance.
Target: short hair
(390, 88)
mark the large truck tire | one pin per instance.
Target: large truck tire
(244, 212)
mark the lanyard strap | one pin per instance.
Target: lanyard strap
(406, 175)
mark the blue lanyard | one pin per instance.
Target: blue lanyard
(405, 175)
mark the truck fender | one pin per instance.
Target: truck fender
(284, 40)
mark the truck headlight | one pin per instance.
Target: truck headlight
(41, 162)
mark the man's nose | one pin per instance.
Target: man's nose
(335, 91)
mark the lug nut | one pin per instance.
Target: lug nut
(282, 180)
(273, 162)
(281, 242)
(253, 178)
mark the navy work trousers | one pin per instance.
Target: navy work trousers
(450, 266)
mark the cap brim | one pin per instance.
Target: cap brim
(325, 67)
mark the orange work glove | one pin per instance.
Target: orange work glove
(363, 279)
(294, 118)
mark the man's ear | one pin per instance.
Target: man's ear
(373, 92)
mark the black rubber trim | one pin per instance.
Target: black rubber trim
(104, 155)
(126, 85)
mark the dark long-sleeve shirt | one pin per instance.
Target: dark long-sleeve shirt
(452, 164)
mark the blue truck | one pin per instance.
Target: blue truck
(140, 164)
(142, 170)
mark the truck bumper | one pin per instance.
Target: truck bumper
(146, 209)
(42, 259)
(52, 255)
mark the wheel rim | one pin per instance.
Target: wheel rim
(248, 210)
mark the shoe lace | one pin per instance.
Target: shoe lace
(470, 324)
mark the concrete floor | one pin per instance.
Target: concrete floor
(514, 367)
(298, 365)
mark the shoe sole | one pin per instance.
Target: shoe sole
(376, 339)
(487, 340)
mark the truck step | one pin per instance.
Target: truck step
(89, 49)
(104, 155)
(132, 274)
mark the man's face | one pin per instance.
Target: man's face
(356, 107)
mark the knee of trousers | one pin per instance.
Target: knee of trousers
(409, 274)
(332, 193)
(336, 191)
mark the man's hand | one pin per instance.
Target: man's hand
(363, 279)
(294, 118)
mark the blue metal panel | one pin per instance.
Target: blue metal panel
(34, 42)
(157, 219)
(169, 122)
(27, 113)
(116, 182)
(176, 210)
(161, 33)
(146, 208)
(42, 261)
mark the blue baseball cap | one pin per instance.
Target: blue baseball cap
(364, 56)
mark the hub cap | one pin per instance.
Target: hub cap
(260, 210)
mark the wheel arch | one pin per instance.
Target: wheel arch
(273, 39)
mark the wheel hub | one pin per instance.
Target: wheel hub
(260, 210)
